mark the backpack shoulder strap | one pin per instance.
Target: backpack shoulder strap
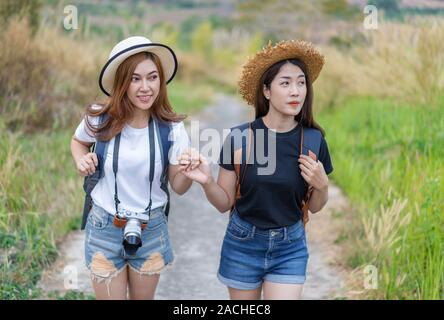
(310, 145)
(163, 130)
(242, 126)
(311, 142)
(100, 148)
(238, 162)
(245, 155)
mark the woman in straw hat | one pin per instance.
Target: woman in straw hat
(264, 250)
(135, 78)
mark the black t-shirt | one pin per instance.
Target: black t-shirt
(271, 200)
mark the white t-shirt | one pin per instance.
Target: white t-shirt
(134, 165)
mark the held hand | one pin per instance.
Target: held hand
(313, 172)
(87, 164)
(195, 166)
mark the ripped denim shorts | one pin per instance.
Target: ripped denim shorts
(105, 256)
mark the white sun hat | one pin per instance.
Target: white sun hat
(129, 47)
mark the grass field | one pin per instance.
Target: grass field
(388, 160)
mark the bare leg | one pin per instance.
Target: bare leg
(142, 286)
(282, 291)
(236, 294)
(115, 289)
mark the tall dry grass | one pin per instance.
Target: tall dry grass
(400, 61)
(404, 61)
(382, 228)
(44, 77)
(217, 56)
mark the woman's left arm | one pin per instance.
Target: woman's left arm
(318, 199)
(179, 183)
(188, 160)
(314, 173)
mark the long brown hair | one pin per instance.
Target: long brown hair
(261, 104)
(120, 109)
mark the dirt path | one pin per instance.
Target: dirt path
(197, 230)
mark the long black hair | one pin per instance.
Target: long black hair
(262, 106)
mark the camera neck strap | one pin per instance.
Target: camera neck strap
(152, 152)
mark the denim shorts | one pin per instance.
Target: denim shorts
(251, 255)
(105, 256)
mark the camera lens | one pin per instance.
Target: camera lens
(131, 244)
(132, 236)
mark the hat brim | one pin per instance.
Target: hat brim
(166, 55)
(255, 67)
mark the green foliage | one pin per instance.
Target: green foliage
(383, 152)
(29, 9)
(189, 98)
(165, 33)
(340, 9)
(70, 295)
(423, 11)
(191, 23)
(202, 40)
(345, 43)
(256, 43)
(218, 22)
(40, 193)
(390, 7)
(187, 27)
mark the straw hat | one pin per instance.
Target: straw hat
(255, 67)
(129, 47)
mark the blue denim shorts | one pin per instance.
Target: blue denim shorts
(105, 256)
(251, 255)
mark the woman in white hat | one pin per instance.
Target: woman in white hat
(127, 244)
(264, 251)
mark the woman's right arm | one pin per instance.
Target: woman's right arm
(85, 161)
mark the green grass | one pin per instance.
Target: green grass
(188, 98)
(383, 152)
(40, 202)
(70, 295)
